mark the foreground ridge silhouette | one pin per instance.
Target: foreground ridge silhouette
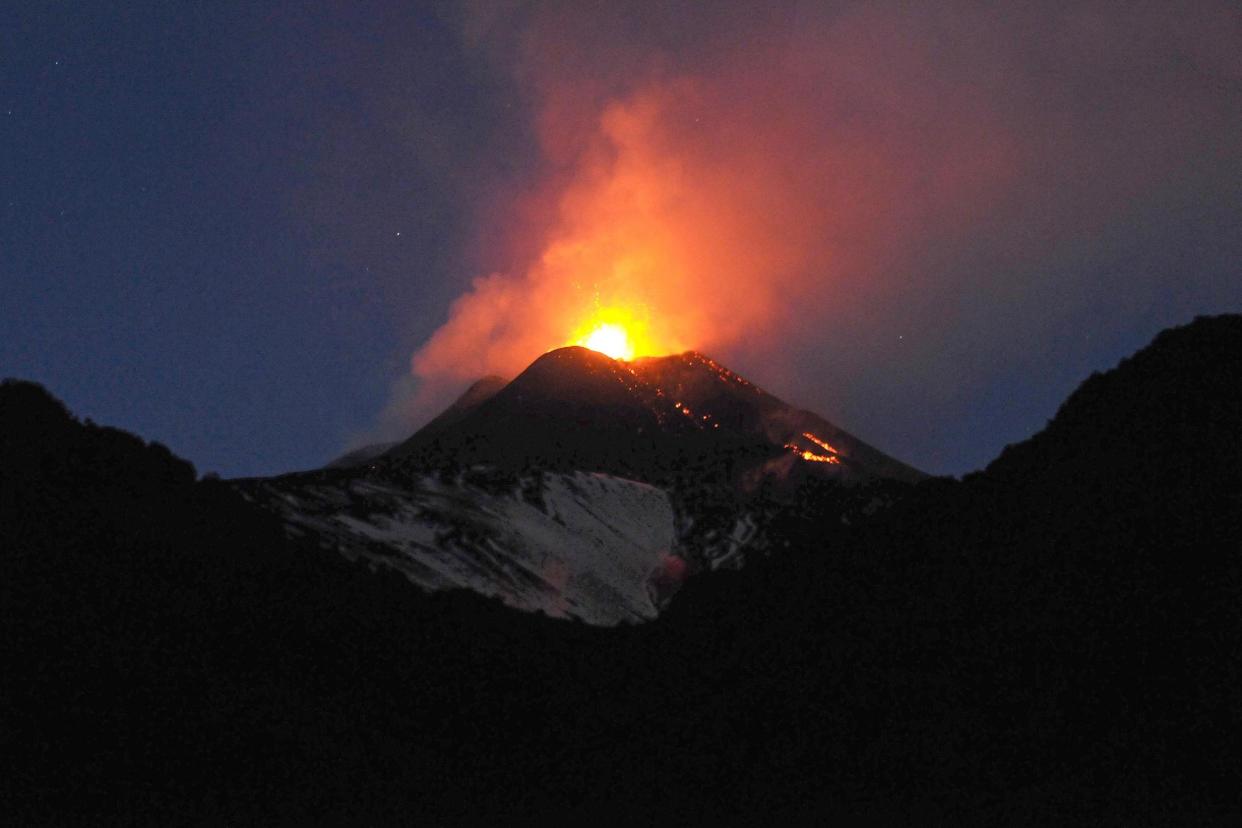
(1050, 640)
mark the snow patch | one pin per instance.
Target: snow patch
(593, 547)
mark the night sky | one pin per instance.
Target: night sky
(229, 227)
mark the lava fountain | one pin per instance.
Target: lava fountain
(611, 341)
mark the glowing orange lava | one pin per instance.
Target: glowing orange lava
(808, 435)
(618, 332)
(610, 340)
(812, 457)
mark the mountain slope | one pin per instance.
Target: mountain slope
(591, 547)
(360, 456)
(573, 409)
(720, 397)
(1053, 641)
(452, 506)
(651, 420)
(478, 392)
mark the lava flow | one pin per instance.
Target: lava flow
(812, 457)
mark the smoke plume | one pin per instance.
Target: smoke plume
(817, 195)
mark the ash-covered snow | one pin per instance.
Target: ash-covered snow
(593, 547)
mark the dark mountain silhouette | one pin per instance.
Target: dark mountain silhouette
(576, 409)
(657, 420)
(716, 395)
(360, 456)
(479, 391)
(1052, 640)
(525, 490)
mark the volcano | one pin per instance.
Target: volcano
(977, 646)
(587, 487)
(650, 420)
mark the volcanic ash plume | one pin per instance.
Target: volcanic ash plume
(699, 210)
(806, 179)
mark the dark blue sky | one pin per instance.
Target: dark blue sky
(193, 249)
(226, 227)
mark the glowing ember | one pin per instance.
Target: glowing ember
(818, 458)
(610, 340)
(808, 435)
(812, 457)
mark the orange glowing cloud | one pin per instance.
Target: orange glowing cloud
(720, 212)
(725, 211)
(620, 262)
(827, 197)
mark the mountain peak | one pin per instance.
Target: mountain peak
(575, 408)
(571, 371)
(1177, 397)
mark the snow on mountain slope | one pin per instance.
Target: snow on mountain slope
(586, 546)
(540, 490)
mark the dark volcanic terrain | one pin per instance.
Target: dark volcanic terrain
(586, 488)
(1051, 640)
(646, 420)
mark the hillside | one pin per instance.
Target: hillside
(1051, 640)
